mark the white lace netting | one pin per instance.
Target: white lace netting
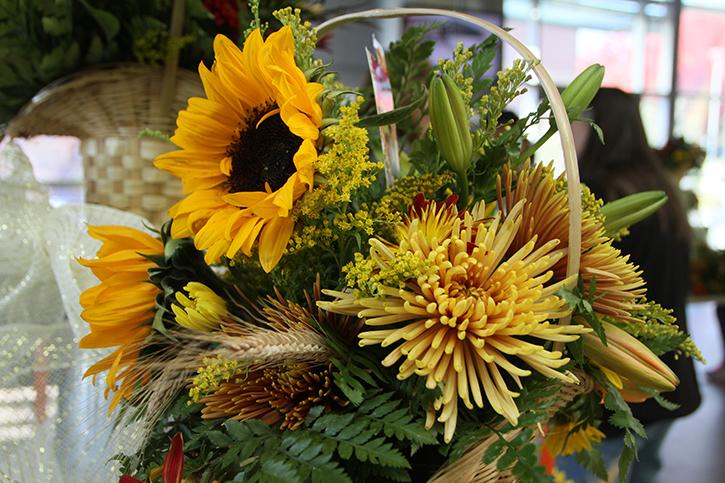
(53, 425)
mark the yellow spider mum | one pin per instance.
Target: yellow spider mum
(247, 150)
(570, 438)
(459, 324)
(121, 307)
(546, 215)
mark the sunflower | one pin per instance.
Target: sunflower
(569, 438)
(121, 307)
(618, 282)
(459, 324)
(248, 149)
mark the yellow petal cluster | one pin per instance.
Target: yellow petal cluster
(618, 282)
(461, 325)
(230, 198)
(201, 310)
(120, 309)
(569, 438)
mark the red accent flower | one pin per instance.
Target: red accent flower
(173, 467)
(128, 479)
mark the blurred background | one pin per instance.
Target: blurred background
(669, 52)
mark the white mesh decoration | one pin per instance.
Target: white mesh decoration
(53, 425)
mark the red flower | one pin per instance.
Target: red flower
(173, 467)
(128, 479)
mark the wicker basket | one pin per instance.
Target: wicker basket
(107, 108)
(470, 468)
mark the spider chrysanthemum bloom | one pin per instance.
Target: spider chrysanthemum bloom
(247, 150)
(471, 323)
(569, 438)
(546, 215)
(120, 309)
(284, 392)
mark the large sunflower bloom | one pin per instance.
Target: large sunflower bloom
(546, 215)
(121, 307)
(247, 150)
(460, 324)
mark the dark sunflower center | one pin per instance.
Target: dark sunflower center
(262, 154)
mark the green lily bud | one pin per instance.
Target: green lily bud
(579, 94)
(450, 123)
(629, 358)
(627, 211)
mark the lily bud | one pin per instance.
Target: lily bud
(627, 211)
(579, 94)
(450, 123)
(629, 359)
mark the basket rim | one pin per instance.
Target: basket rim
(96, 74)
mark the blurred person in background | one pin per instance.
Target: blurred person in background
(660, 245)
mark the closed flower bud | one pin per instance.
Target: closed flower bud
(629, 359)
(579, 94)
(627, 211)
(450, 123)
(201, 310)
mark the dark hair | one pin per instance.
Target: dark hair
(626, 163)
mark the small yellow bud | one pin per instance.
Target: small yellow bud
(450, 123)
(201, 310)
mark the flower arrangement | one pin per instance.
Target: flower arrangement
(300, 319)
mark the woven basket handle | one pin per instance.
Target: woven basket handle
(171, 63)
(552, 93)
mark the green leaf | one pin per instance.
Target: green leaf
(665, 403)
(598, 131)
(94, 54)
(108, 23)
(593, 461)
(629, 454)
(219, 439)
(493, 451)
(275, 469)
(237, 430)
(506, 460)
(55, 25)
(394, 116)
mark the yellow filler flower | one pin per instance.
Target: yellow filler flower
(459, 324)
(247, 150)
(120, 309)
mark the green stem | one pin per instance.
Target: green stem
(462, 189)
(535, 147)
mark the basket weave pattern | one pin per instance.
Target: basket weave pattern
(107, 108)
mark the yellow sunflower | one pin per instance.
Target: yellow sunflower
(569, 438)
(121, 307)
(459, 324)
(618, 282)
(248, 149)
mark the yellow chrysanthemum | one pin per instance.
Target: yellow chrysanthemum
(120, 309)
(201, 310)
(460, 323)
(247, 150)
(570, 438)
(546, 215)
